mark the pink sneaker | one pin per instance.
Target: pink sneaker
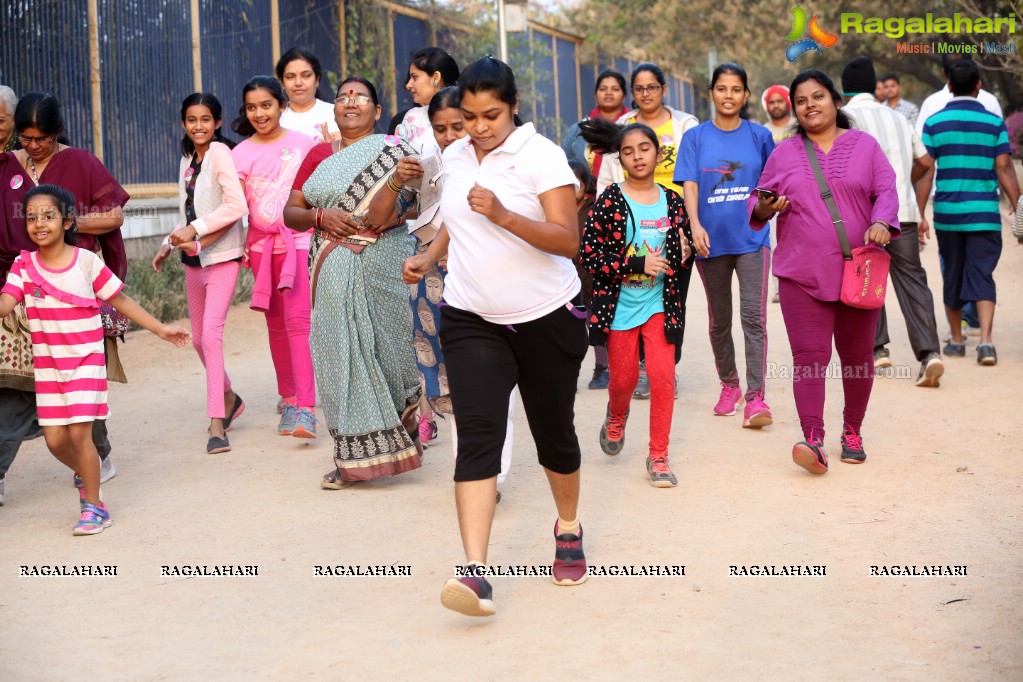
(93, 520)
(731, 398)
(757, 413)
(427, 430)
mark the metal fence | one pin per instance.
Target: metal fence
(122, 67)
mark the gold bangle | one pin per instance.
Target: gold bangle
(395, 187)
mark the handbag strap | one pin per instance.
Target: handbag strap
(829, 200)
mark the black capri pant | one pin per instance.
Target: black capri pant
(485, 361)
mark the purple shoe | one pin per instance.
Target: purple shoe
(569, 560)
(470, 595)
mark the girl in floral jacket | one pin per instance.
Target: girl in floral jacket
(637, 246)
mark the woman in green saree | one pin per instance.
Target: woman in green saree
(361, 334)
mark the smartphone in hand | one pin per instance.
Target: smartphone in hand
(767, 195)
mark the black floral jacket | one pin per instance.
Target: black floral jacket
(603, 255)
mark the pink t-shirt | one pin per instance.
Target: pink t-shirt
(67, 334)
(268, 170)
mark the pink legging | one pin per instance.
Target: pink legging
(811, 325)
(287, 321)
(210, 290)
(623, 361)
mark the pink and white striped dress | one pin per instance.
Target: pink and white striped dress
(67, 335)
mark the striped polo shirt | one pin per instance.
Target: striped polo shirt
(964, 138)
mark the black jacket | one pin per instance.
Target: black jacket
(603, 255)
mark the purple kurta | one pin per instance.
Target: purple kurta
(88, 180)
(863, 184)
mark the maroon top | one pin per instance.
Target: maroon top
(79, 172)
(313, 159)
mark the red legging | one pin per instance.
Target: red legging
(623, 361)
(811, 325)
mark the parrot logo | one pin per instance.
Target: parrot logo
(818, 36)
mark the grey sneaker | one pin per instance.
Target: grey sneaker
(1, 492)
(288, 416)
(882, 359)
(659, 471)
(954, 350)
(643, 385)
(986, 355)
(305, 423)
(107, 470)
(601, 378)
(931, 370)
(612, 433)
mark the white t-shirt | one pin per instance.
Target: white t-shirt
(310, 122)
(900, 144)
(491, 272)
(936, 102)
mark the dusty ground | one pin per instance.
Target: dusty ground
(942, 485)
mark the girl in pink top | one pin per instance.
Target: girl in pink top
(267, 163)
(62, 287)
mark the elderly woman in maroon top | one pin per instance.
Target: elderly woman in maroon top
(808, 259)
(45, 158)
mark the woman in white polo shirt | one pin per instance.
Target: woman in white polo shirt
(299, 72)
(508, 203)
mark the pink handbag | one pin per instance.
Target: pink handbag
(865, 268)
(865, 277)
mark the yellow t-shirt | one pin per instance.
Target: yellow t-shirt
(665, 171)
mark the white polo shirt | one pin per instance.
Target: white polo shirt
(310, 122)
(898, 141)
(491, 272)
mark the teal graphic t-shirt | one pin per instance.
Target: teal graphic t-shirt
(642, 296)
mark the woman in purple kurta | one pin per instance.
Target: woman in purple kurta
(808, 259)
(99, 198)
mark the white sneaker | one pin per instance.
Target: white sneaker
(107, 470)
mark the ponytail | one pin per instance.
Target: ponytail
(605, 137)
(602, 136)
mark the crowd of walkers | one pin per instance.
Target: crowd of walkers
(440, 270)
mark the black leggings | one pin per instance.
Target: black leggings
(485, 361)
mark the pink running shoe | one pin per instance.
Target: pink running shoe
(811, 455)
(427, 430)
(93, 520)
(731, 398)
(757, 413)
(852, 446)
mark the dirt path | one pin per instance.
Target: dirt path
(942, 486)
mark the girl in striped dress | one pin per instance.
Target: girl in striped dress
(62, 287)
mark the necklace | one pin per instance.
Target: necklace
(32, 169)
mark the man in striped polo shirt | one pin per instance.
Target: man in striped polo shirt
(971, 146)
(911, 162)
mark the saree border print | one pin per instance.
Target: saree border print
(375, 454)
